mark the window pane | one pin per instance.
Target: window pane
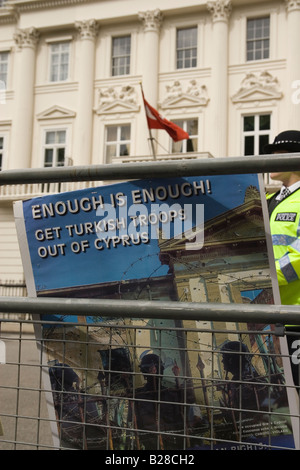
(266, 27)
(192, 127)
(60, 157)
(55, 59)
(1, 143)
(63, 72)
(65, 46)
(186, 48)
(249, 145)
(266, 49)
(54, 153)
(264, 122)
(117, 141)
(189, 125)
(48, 157)
(248, 123)
(3, 69)
(191, 145)
(53, 137)
(3, 56)
(54, 74)
(124, 150)
(111, 134)
(59, 67)
(125, 132)
(258, 36)
(50, 137)
(256, 133)
(187, 145)
(61, 137)
(64, 58)
(121, 66)
(54, 47)
(179, 122)
(250, 30)
(258, 50)
(121, 49)
(187, 38)
(111, 151)
(258, 27)
(180, 59)
(121, 45)
(263, 140)
(176, 147)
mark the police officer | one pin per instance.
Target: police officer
(284, 209)
(158, 408)
(236, 359)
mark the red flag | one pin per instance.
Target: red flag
(156, 121)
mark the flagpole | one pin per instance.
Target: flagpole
(152, 143)
(150, 133)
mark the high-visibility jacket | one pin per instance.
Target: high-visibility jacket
(285, 231)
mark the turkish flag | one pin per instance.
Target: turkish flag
(156, 121)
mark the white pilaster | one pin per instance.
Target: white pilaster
(220, 10)
(151, 22)
(293, 63)
(22, 127)
(82, 152)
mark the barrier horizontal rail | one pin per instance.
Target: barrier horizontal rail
(197, 167)
(79, 421)
(283, 314)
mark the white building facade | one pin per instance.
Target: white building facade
(227, 71)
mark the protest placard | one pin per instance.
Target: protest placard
(191, 239)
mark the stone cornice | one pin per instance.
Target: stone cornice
(8, 15)
(28, 5)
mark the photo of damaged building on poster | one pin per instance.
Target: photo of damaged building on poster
(120, 383)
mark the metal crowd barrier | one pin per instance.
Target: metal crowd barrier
(93, 413)
(96, 409)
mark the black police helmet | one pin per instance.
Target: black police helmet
(150, 360)
(288, 141)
